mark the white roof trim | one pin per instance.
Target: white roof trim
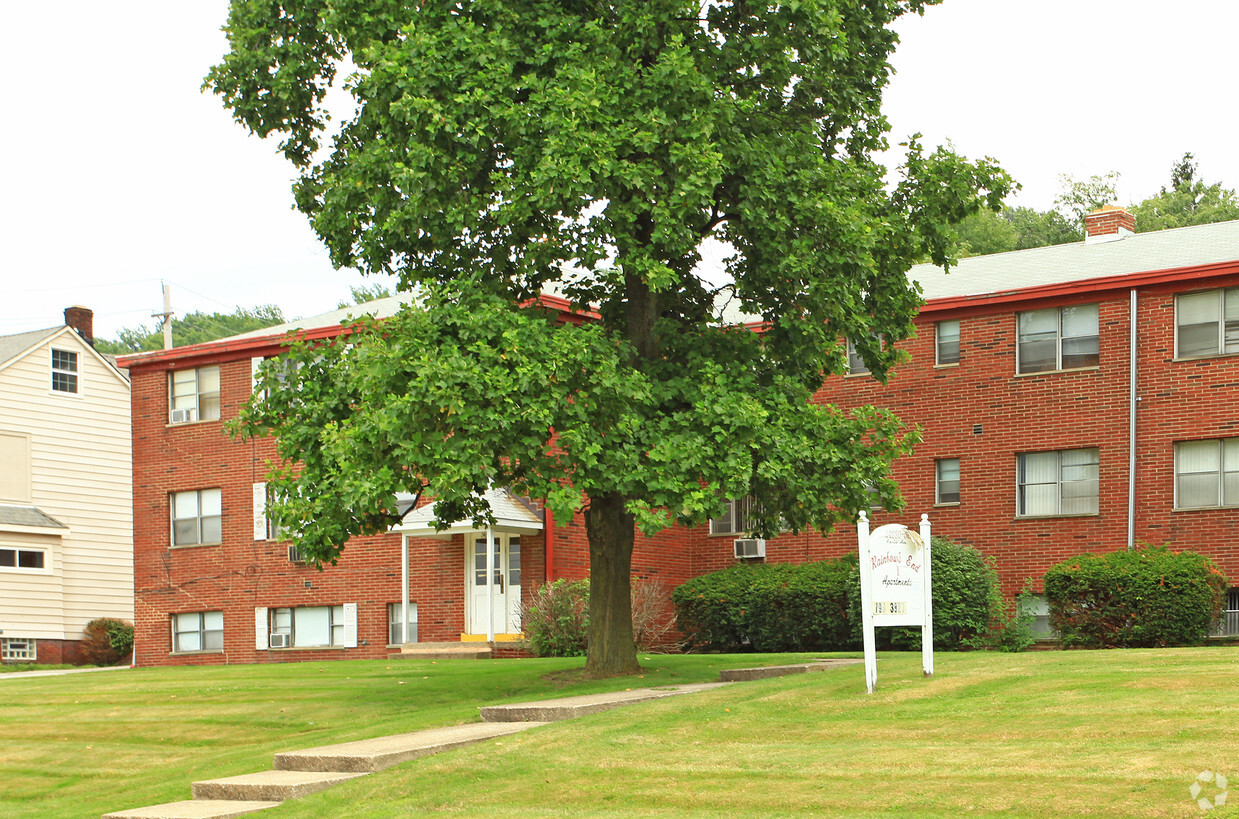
(511, 516)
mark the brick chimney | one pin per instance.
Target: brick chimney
(82, 319)
(1108, 224)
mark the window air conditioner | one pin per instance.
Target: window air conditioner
(184, 416)
(294, 555)
(750, 547)
(280, 640)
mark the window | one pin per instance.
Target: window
(734, 520)
(1057, 483)
(198, 631)
(193, 395)
(64, 371)
(1207, 323)
(1058, 338)
(18, 650)
(946, 342)
(947, 480)
(13, 558)
(197, 517)
(1206, 473)
(856, 364)
(309, 626)
(394, 636)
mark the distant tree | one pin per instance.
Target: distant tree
(363, 293)
(1037, 228)
(1083, 196)
(1020, 228)
(1188, 201)
(193, 328)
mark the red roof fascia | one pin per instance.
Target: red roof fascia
(210, 352)
(1199, 273)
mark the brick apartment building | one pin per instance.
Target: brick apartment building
(1073, 398)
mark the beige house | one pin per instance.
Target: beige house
(66, 512)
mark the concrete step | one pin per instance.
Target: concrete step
(368, 755)
(766, 672)
(270, 786)
(444, 651)
(569, 707)
(198, 809)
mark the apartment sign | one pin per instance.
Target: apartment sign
(895, 587)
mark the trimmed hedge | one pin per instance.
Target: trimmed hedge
(1146, 597)
(816, 606)
(767, 607)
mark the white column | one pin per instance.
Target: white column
(404, 589)
(490, 586)
(927, 630)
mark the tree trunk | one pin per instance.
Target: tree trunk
(609, 527)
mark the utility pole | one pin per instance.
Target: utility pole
(166, 316)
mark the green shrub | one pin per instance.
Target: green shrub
(1148, 596)
(555, 619)
(767, 607)
(967, 600)
(107, 641)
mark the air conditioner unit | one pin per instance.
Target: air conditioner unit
(750, 547)
(294, 555)
(184, 416)
(280, 640)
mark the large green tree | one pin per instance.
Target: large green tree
(498, 149)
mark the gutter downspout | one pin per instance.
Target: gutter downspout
(548, 544)
(1132, 400)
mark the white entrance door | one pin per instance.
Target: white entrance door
(506, 588)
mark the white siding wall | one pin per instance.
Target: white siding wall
(81, 475)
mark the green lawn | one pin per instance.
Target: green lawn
(1116, 733)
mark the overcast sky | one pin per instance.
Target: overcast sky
(120, 173)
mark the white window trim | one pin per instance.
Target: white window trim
(46, 568)
(53, 370)
(202, 631)
(264, 622)
(196, 409)
(1221, 474)
(1059, 483)
(959, 353)
(733, 508)
(938, 501)
(1058, 342)
(172, 519)
(393, 622)
(1221, 329)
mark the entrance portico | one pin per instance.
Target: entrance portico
(492, 576)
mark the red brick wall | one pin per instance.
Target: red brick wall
(1180, 400)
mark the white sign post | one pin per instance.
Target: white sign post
(895, 587)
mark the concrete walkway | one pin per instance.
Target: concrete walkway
(57, 672)
(298, 773)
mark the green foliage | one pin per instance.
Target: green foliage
(498, 149)
(1014, 229)
(363, 293)
(193, 328)
(816, 607)
(107, 641)
(1079, 197)
(768, 607)
(968, 605)
(1189, 201)
(555, 618)
(1149, 596)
